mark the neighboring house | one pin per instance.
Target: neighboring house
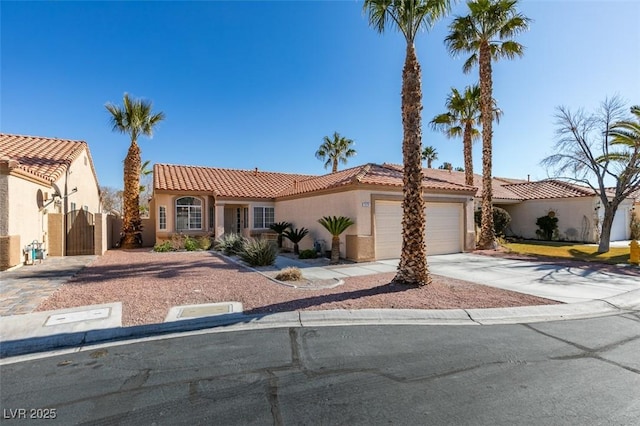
(576, 207)
(45, 185)
(203, 200)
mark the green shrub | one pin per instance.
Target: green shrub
(164, 247)
(289, 274)
(308, 254)
(204, 242)
(191, 244)
(230, 244)
(259, 252)
(548, 227)
(501, 219)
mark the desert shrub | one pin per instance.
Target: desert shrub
(548, 227)
(289, 274)
(501, 219)
(259, 252)
(308, 254)
(204, 242)
(191, 244)
(230, 244)
(177, 241)
(164, 247)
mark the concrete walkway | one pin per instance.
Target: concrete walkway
(588, 292)
(24, 288)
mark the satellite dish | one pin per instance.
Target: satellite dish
(40, 199)
(57, 192)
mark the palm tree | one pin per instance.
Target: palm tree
(461, 119)
(335, 226)
(295, 236)
(627, 132)
(279, 228)
(134, 118)
(409, 17)
(430, 154)
(486, 33)
(334, 151)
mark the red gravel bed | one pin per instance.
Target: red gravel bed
(148, 284)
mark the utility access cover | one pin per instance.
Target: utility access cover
(68, 317)
(205, 311)
(186, 312)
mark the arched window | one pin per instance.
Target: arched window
(188, 214)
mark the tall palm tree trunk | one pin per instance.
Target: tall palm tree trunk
(335, 165)
(468, 154)
(487, 234)
(131, 220)
(413, 269)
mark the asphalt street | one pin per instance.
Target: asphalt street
(581, 372)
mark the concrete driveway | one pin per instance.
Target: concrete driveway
(552, 280)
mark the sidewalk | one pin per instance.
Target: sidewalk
(589, 293)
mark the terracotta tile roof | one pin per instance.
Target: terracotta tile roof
(549, 189)
(368, 174)
(222, 182)
(453, 177)
(46, 158)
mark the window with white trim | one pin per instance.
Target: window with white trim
(162, 217)
(188, 214)
(263, 217)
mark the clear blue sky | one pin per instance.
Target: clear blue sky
(258, 84)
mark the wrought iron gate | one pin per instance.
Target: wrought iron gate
(80, 233)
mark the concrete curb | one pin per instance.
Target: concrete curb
(624, 303)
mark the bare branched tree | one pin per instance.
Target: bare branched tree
(584, 156)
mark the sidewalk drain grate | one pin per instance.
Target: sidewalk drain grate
(68, 317)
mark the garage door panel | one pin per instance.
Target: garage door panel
(443, 233)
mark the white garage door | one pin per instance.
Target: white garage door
(620, 229)
(444, 228)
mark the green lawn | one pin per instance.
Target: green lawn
(569, 251)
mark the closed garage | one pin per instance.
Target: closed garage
(621, 229)
(444, 228)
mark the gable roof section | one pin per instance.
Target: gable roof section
(458, 178)
(44, 158)
(368, 174)
(546, 189)
(222, 182)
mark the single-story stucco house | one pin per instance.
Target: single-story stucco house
(204, 200)
(214, 201)
(48, 189)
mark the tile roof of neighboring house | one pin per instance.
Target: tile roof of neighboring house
(222, 182)
(545, 189)
(46, 158)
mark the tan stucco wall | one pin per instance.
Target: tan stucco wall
(25, 219)
(80, 176)
(576, 218)
(305, 212)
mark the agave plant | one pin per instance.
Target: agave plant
(336, 225)
(279, 228)
(295, 236)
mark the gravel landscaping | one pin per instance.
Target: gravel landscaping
(149, 283)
